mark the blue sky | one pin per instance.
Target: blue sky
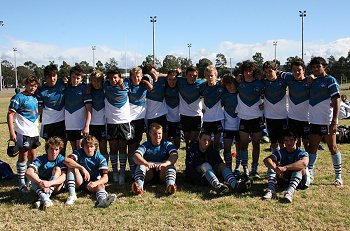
(44, 30)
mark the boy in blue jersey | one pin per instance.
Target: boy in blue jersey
(287, 166)
(275, 108)
(88, 169)
(47, 172)
(119, 129)
(323, 116)
(231, 121)
(190, 106)
(172, 101)
(97, 126)
(250, 113)
(155, 160)
(51, 105)
(298, 101)
(204, 165)
(22, 121)
(77, 108)
(138, 88)
(211, 91)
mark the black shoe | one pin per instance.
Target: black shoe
(222, 189)
(255, 175)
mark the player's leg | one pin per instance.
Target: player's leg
(140, 176)
(227, 175)
(244, 138)
(314, 141)
(293, 184)
(256, 136)
(207, 170)
(22, 164)
(336, 159)
(168, 175)
(123, 156)
(271, 184)
(74, 180)
(113, 154)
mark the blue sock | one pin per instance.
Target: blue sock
(228, 159)
(105, 155)
(71, 182)
(336, 159)
(21, 171)
(140, 174)
(211, 178)
(238, 161)
(170, 175)
(294, 181)
(114, 162)
(122, 160)
(255, 167)
(271, 180)
(101, 195)
(132, 166)
(229, 178)
(311, 165)
(244, 158)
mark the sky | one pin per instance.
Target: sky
(44, 30)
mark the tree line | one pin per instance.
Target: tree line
(340, 68)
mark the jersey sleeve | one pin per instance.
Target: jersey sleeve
(333, 87)
(141, 149)
(36, 164)
(171, 148)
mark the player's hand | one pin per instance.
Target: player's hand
(44, 184)
(86, 131)
(280, 170)
(333, 128)
(86, 174)
(91, 185)
(121, 84)
(13, 137)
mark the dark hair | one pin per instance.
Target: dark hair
(228, 79)
(249, 64)
(31, 79)
(173, 72)
(289, 133)
(54, 141)
(77, 70)
(204, 132)
(319, 60)
(147, 68)
(50, 70)
(190, 69)
(114, 71)
(297, 62)
(270, 64)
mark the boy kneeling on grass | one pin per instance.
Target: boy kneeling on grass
(47, 172)
(88, 168)
(287, 166)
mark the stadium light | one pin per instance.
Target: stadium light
(93, 56)
(302, 14)
(153, 20)
(275, 44)
(14, 55)
(189, 50)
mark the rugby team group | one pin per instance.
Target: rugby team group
(212, 113)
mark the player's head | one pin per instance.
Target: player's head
(76, 75)
(155, 133)
(229, 82)
(248, 68)
(53, 147)
(210, 74)
(150, 69)
(191, 74)
(204, 140)
(171, 78)
(270, 70)
(97, 78)
(289, 139)
(90, 145)
(319, 66)
(50, 74)
(31, 84)
(298, 68)
(136, 75)
(114, 76)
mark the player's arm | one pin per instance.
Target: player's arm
(88, 107)
(147, 84)
(170, 161)
(71, 163)
(297, 165)
(270, 162)
(32, 175)
(10, 125)
(334, 122)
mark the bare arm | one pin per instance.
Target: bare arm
(334, 122)
(10, 125)
(88, 108)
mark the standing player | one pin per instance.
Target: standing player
(98, 120)
(287, 166)
(47, 172)
(172, 101)
(250, 114)
(190, 107)
(22, 121)
(275, 107)
(119, 129)
(155, 159)
(51, 105)
(323, 116)
(88, 168)
(77, 108)
(231, 122)
(211, 90)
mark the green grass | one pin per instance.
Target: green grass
(321, 207)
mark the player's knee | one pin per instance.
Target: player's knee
(205, 167)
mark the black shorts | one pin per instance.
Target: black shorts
(252, 126)
(98, 131)
(321, 130)
(190, 123)
(72, 135)
(284, 182)
(275, 127)
(160, 120)
(54, 129)
(139, 128)
(123, 131)
(27, 142)
(174, 129)
(213, 127)
(300, 128)
(231, 135)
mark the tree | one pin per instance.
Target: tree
(99, 66)
(22, 73)
(201, 65)
(259, 60)
(86, 67)
(184, 64)
(287, 66)
(64, 69)
(8, 73)
(112, 64)
(149, 60)
(220, 64)
(30, 65)
(169, 62)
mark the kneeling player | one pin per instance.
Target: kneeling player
(287, 166)
(47, 172)
(155, 158)
(88, 168)
(203, 164)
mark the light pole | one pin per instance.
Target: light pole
(14, 54)
(1, 24)
(189, 45)
(93, 56)
(153, 20)
(275, 44)
(302, 14)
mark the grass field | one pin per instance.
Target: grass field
(321, 207)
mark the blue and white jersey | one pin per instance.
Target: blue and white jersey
(153, 153)
(51, 99)
(155, 103)
(98, 107)
(137, 99)
(75, 112)
(321, 92)
(229, 101)
(117, 107)
(284, 158)
(44, 167)
(249, 99)
(27, 114)
(190, 102)
(172, 101)
(275, 106)
(212, 102)
(298, 97)
(94, 164)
